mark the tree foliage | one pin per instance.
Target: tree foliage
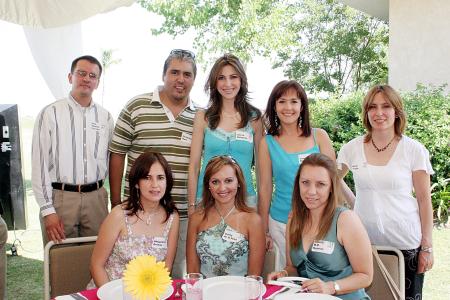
(326, 45)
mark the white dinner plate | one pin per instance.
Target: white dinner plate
(225, 288)
(306, 296)
(113, 290)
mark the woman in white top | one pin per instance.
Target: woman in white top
(387, 166)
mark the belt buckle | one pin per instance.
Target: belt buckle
(79, 188)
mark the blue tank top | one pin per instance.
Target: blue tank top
(284, 168)
(239, 145)
(327, 267)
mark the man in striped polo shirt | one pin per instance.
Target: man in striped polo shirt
(70, 157)
(160, 121)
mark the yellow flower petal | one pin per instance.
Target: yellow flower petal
(144, 278)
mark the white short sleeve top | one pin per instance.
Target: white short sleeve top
(384, 194)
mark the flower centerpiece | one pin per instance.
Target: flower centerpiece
(145, 278)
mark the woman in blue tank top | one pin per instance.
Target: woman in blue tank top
(289, 140)
(327, 243)
(229, 126)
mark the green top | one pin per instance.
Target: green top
(326, 259)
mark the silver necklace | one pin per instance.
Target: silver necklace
(222, 217)
(148, 221)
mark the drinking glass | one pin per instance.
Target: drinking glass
(253, 287)
(193, 282)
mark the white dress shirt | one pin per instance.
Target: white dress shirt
(70, 145)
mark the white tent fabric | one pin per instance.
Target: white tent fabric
(53, 32)
(53, 51)
(55, 13)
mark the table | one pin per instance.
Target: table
(92, 294)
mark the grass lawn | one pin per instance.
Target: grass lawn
(437, 281)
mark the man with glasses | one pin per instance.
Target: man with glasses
(160, 121)
(70, 157)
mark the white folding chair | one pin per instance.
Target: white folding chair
(66, 266)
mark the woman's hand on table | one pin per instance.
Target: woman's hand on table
(318, 286)
(276, 275)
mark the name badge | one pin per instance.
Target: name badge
(244, 136)
(186, 137)
(231, 235)
(322, 246)
(159, 243)
(96, 126)
(301, 157)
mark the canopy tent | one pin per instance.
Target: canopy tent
(53, 32)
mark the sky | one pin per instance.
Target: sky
(127, 31)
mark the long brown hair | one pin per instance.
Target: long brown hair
(300, 213)
(270, 116)
(246, 110)
(214, 166)
(139, 171)
(391, 96)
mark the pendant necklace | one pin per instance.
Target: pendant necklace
(222, 217)
(148, 221)
(384, 148)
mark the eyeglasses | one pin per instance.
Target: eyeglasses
(83, 74)
(182, 53)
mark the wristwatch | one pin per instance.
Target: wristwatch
(337, 288)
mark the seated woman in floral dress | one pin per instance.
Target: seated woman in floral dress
(146, 224)
(225, 236)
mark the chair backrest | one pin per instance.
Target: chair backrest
(66, 266)
(270, 261)
(392, 259)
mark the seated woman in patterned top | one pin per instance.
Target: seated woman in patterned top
(225, 236)
(147, 223)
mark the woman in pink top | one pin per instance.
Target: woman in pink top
(147, 223)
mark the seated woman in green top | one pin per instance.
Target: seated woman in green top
(325, 242)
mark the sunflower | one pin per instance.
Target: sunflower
(144, 278)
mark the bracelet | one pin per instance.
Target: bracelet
(191, 204)
(426, 249)
(284, 271)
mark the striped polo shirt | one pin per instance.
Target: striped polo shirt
(146, 125)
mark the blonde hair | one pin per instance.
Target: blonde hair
(391, 96)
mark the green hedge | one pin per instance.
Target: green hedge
(428, 122)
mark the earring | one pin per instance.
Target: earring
(300, 122)
(276, 120)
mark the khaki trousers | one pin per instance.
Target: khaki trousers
(81, 213)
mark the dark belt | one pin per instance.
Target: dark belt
(79, 188)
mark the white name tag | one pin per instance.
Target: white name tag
(159, 243)
(231, 235)
(301, 157)
(244, 136)
(186, 137)
(322, 246)
(97, 126)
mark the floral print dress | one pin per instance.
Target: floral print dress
(221, 255)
